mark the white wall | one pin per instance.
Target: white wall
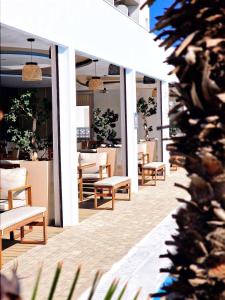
(112, 101)
(154, 120)
(144, 15)
(91, 27)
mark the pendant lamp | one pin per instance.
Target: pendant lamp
(95, 83)
(31, 71)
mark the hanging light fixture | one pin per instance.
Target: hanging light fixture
(154, 92)
(31, 71)
(95, 83)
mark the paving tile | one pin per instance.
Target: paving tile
(99, 241)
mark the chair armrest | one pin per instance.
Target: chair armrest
(108, 167)
(145, 155)
(20, 188)
(17, 189)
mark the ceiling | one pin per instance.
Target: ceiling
(15, 52)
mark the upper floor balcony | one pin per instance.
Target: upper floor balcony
(131, 8)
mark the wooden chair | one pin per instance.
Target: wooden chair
(14, 191)
(99, 168)
(19, 217)
(147, 167)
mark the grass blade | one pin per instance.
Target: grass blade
(34, 294)
(111, 290)
(94, 285)
(137, 295)
(55, 280)
(122, 292)
(74, 283)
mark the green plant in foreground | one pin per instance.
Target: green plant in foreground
(10, 288)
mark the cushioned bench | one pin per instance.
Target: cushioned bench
(153, 169)
(112, 184)
(19, 217)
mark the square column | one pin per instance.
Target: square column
(165, 122)
(64, 136)
(131, 127)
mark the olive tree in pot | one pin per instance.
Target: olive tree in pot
(25, 115)
(104, 125)
(147, 108)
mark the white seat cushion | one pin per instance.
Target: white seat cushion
(111, 181)
(100, 159)
(14, 216)
(142, 148)
(93, 176)
(4, 204)
(12, 178)
(154, 165)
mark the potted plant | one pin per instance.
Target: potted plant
(25, 117)
(104, 124)
(147, 108)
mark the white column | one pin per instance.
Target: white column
(165, 122)
(159, 121)
(68, 146)
(123, 121)
(131, 109)
(56, 138)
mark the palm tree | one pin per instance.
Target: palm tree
(197, 29)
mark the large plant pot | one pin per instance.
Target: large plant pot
(40, 177)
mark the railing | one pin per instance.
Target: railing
(129, 8)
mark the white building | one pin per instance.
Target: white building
(73, 30)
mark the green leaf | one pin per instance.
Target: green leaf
(94, 285)
(111, 290)
(55, 281)
(137, 294)
(34, 294)
(122, 292)
(74, 283)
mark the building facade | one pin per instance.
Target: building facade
(114, 31)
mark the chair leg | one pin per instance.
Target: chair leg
(155, 177)
(113, 198)
(0, 249)
(143, 176)
(45, 228)
(95, 198)
(81, 191)
(129, 191)
(22, 233)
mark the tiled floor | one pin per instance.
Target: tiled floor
(100, 240)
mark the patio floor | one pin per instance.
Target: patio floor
(98, 241)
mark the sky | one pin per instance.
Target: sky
(157, 9)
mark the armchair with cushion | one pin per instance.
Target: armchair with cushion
(100, 170)
(13, 188)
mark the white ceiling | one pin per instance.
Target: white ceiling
(16, 52)
(18, 39)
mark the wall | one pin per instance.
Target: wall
(91, 27)
(112, 101)
(153, 120)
